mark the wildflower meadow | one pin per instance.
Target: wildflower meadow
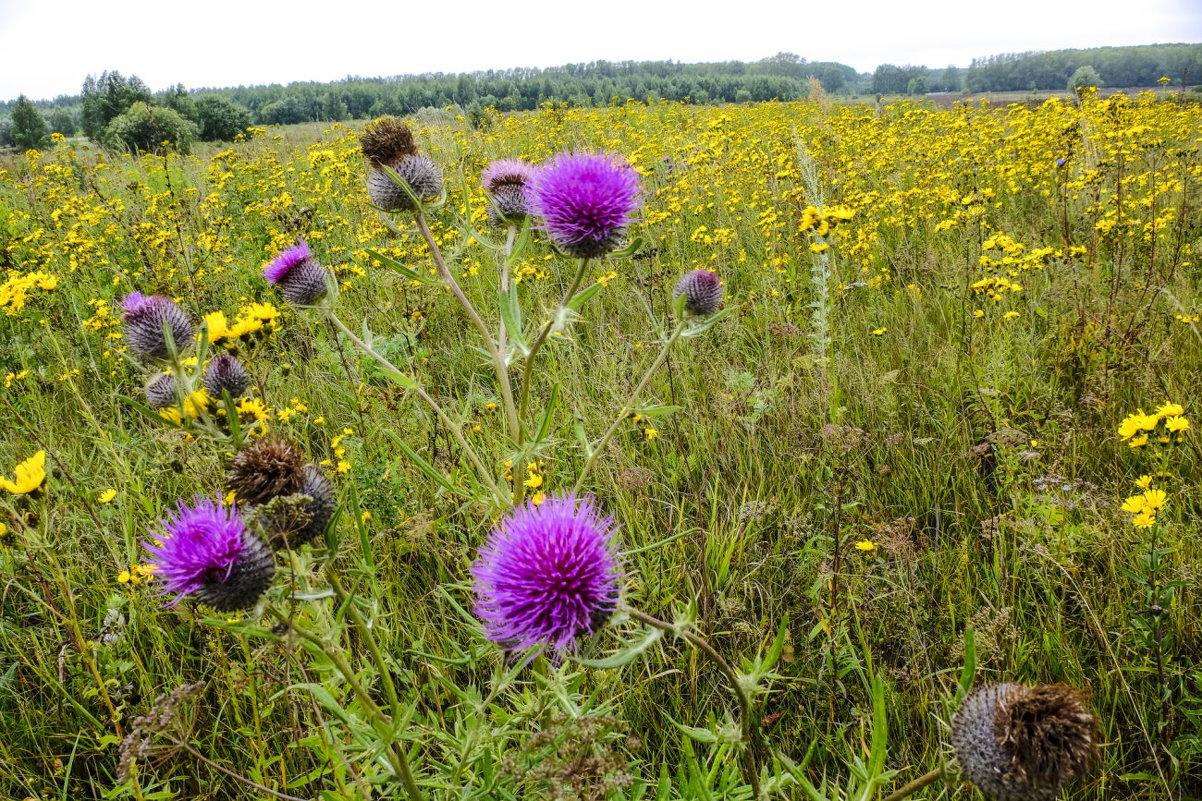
(802, 450)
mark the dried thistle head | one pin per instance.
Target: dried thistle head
(386, 141)
(290, 521)
(1018, 743)
(266, 469)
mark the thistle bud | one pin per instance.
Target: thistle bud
(702, 292)
(225, 374)
(147, 318)
(161, 391)
(418, 171)
(505, 181)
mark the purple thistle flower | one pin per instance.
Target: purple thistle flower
(547, 574)
(586, 201)
(300, 277)
(206, 550)
(145, 317)
(702, 292)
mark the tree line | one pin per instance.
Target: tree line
(123, 113)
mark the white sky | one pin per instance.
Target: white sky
(47, 47)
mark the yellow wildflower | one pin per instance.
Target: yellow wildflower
(1143, 482)
(1144, 520)
(107, 495)
(29, 475)
(1169, 410)
(1176, 424)
(1155, 499)
(865, 546)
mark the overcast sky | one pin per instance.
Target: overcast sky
(48, 46)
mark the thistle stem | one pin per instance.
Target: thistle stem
(625, 410)
(914, 786)
(456, 430)
(751, 772)
(369, 639)
(382, 724)
(498, 361)
(528, 367)
(510, 236)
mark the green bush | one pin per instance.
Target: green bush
(148, 129)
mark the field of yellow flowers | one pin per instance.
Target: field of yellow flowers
(941, 439)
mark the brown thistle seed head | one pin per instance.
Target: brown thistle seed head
(1049, 732)
(1017, 743)
(266, 469)
(386, 140)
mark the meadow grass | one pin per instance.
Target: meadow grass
(938, 485)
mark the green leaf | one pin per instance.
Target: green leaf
(544, 424)
(701, 327)
(583, 296)
(511, 315)
(323, 697)
(582, 437)
(696, 734)
(970, 664)
(425, 466)
(634, 247)
(409, 273)
(657, 410)
(778, 645)
(624, 655)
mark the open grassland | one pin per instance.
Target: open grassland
(902, 446)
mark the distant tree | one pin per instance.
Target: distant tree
(145, 128)
(6, 133)
(1085, 76)
(952, 79)
(180, 99)
(286, 111)
(917, 85)
(219, 119)
(890, 79)
(61, 120)
(29, 129)
(332, 108)
(105, 98)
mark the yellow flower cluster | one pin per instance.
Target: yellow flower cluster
(15, 291)
(1166, 426)
(251, 319)
(136, 574)
(29, 475)
(1143, 507)
(192, 408)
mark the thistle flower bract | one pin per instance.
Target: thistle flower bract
(161, 391)
(505, 181)
(585, 201)
(266, 469)
(547, 574)
(206, 551)
(702, 292)
(1018, 743)
(300, 277)
(417, 170)
(225, 374)
(145, 320)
